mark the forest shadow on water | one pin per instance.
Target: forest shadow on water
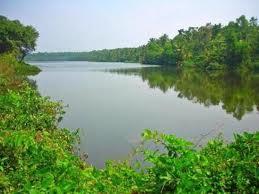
(236, 92)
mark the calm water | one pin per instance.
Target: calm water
(113, 102)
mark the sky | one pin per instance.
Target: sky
(84, 25)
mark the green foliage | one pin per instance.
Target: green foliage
(17, 38)
(209, 47)
(216, 168)
(12, 72)
(16, 41)
(106, 55)
(36, 156)
(30, 143)
(21, 68)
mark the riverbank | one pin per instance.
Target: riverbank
(38, 156)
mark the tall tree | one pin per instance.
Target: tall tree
(16, 37)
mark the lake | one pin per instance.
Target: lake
(112, 103)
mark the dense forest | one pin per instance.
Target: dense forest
(233, 46)
(37, 156)
(105, 55)
(209, 47)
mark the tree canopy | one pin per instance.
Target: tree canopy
(209, 47)
(105, 55)
(16, 37)
(233, 46)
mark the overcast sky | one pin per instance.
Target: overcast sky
(83, 25)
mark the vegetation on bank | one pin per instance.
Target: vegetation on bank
(105, 55)
(12, 72)
(36, 156)
(234, 46)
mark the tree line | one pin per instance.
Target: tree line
(208, 47)
(235, 45)
(105, 55)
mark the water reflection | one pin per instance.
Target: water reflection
(236, 93)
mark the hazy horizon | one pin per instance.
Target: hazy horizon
(66, 26)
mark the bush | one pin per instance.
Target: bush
(37, 156)
(216, 168)
(12, 72)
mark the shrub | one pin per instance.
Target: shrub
(216, 168)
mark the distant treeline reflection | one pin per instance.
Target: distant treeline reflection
(236, 92)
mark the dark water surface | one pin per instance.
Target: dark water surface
(113, 102)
